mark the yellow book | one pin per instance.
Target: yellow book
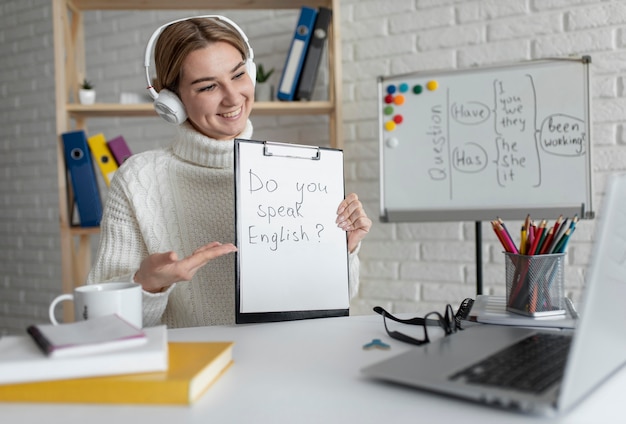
(103, 156)
(193, 367)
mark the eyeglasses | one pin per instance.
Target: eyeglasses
(449, 322)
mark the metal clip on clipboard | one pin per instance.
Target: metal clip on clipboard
(291, 150)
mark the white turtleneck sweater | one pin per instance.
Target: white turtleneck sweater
(177, 199)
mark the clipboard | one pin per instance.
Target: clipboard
(292, 259)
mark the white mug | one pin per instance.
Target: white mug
(96, 300)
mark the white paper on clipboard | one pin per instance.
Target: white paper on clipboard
(292, 259)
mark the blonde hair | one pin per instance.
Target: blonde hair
(183, 37)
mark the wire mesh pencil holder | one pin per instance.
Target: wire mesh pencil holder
(534, 284)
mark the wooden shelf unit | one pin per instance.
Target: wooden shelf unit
(70, 67)
(101, 110)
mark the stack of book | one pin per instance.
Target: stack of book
(72, 363)
(489, 309)
(80, 153)
(305, 54)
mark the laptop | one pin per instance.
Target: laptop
(592, 352)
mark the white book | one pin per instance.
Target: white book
(95, 335)
(21, 360)
(492, 310)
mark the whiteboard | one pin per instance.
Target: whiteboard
(480, 143)
(292, 259)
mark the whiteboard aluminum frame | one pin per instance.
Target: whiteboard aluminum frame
(455, 213)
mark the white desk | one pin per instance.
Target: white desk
(308, 371)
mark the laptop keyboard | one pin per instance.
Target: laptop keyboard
(530, 365)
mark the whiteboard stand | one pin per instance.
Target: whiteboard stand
(473, 144)
(479, 256)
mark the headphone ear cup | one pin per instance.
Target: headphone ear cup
(251, 68)
(169, 107)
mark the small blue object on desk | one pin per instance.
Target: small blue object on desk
(376, 344)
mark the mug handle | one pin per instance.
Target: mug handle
(54, 303)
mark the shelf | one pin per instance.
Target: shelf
(80, 231)
(195, 4)
(102, 110)
(69, 63)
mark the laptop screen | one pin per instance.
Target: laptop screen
(599, 345)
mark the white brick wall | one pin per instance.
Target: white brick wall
(412, 267)
(405, 267)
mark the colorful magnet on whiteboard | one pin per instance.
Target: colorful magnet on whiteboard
(398, 119)
(388, 98)
(432, 85)
(417, 89)
(391, 89)
(404, 87)
(392, 142)
(388, 110)
(399, 100)
(390, 125)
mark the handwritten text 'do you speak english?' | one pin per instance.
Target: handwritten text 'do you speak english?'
(273, 231)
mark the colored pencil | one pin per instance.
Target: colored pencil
(538, 237)
(495, 230)
(545, 245)
(531, 238)
(557, 223)
(506, 231)
(507, 243)
(562, 245)
(557, 236)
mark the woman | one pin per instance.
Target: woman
(169, 219)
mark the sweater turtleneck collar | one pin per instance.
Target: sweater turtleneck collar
(194, 147)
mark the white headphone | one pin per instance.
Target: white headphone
(167, 104)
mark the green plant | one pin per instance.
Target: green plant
(86, 85)
(261, 75)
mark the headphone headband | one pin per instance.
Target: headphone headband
(148, 54)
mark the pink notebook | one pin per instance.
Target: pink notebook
(119, 148)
